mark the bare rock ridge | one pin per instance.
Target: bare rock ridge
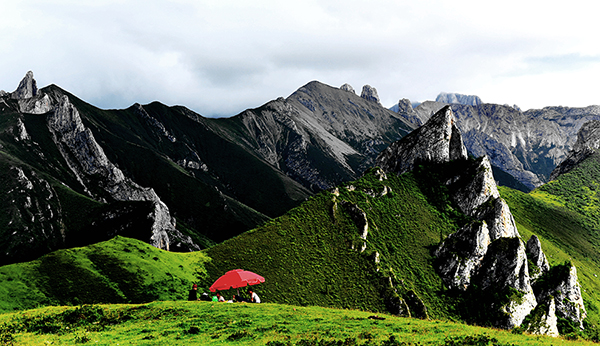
(588, 142)
(470, 100)
(488, 252)
(89, 164)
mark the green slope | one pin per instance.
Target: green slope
(310, 256)
(207, 323)
(121, 270)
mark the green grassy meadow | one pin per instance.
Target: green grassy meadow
(208, 323)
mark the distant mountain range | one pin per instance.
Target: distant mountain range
(175, 179)
(167, 175)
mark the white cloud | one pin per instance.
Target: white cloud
(220, 57)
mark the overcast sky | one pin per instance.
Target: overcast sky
(221, 57)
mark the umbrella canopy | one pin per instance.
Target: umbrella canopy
(235, 279)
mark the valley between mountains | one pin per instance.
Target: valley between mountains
(467, 212)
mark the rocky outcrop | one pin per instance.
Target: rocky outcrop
(537, 258)
(359, 217)
(461, 255)
(348, 87)
(561, 283)
(470, 100)
(27, 88)
(438, 141)
(475, 187)
(404, 106)
(588, 142)
(486, 258)
(543, 320)
(496, 213)
(504, 268)
(369, 93)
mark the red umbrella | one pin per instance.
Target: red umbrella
(235, 279)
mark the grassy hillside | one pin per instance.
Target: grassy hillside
(121, 270)
(311, 255)
(207, 323)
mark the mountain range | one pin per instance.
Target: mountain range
(428, 234)
(167, 175)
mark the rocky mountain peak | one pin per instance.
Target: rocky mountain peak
(404, 106)
(470, 100)
(348, 87)
(369, 93)
(438, 141)
(26, 89)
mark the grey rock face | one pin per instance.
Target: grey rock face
(505, 266)
(500, 220)
(537, 257)
(588, 141)
(470, 100)
(369, 93)
(438, 141)
(40, 104)
(546, 320)
(26, 89)
(474, 192)
(140, 111)
(348, 87)
(33, 211)
(567, 295)
(350, 131)
(460, 255)
(404, 106)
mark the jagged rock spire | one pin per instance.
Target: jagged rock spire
(26, 89)
(348, 87)
(438, 141)
(369, 93)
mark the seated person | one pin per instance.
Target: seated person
(240, 299)
(193, 295)
(220, 298)
(253, 296)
